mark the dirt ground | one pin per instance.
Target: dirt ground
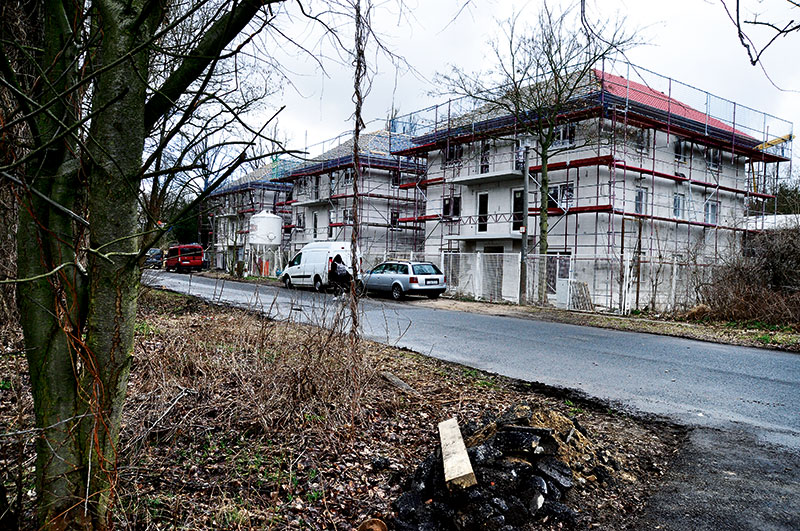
(235, 422)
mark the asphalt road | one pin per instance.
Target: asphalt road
(740, 467)
(695, 383)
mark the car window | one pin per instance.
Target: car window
(402, 269)
(426, 269)
(296, 260)
(173, 252)
(379, 269)
(391, 268)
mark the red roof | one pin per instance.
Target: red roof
(639, 93)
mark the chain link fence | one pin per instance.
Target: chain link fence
(587, 283)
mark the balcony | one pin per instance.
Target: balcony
(509, 174)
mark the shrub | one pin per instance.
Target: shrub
(761, 283)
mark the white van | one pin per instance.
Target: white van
(310, 266)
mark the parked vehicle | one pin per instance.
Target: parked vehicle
(403, 277)
(154, 258)
(184, 258)
(313, 264)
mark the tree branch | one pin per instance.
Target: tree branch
(219, 35)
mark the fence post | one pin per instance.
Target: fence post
(626, 303)
(478, 276)
(672, 294)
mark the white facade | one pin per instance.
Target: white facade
(324, 201)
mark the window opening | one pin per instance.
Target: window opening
(517, 209)
(640, 203)
(451, 207)
(483, 212)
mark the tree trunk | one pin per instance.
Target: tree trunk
(543, 225)
(79, 335)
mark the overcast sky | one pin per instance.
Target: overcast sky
(691, 41)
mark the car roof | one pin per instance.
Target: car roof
(412, 262)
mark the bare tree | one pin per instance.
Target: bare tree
(769, 27)
(82, 98)
(540, 77)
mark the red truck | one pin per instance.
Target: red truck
(184, 258)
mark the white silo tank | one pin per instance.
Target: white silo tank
(265, 240)
(265, 229)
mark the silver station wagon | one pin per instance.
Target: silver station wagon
(403, 277)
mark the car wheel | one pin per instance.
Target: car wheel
(317, 284)
(397, 292)
(287, 282)
(433, 295)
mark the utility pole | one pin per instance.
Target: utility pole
(523, 263)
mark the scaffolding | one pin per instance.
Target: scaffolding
(655, 170)
(323, 201)
(232, 205)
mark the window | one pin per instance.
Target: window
(678, 208)
(453, 153)
(347, 215)
(347, 176)
(402, 269)
(713, 158)
(315, 192)
(560, 196)
(519, 155)
(451, 207)
(296, 260)
(517, 209)
(641, 140)
(425, 269)
(564, 135)
(394, 218)
(315, 218)
(711, 212)
(483, 212)
(395, 175)
(301, 221)
(486, 150)
(683, 150)
(640, 202)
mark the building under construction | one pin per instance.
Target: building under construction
(651, 175)
(324, 200)
(231, 207)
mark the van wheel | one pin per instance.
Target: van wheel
(397, 292)
(317, 284)
(287, 282)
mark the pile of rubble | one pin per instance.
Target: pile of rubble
(525, 463)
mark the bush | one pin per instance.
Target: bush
(760, 283)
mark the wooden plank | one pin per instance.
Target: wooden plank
(457, 467)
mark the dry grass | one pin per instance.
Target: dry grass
(234, 421)
(762, 283)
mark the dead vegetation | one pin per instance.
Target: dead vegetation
(234, 421)
(760, 284)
